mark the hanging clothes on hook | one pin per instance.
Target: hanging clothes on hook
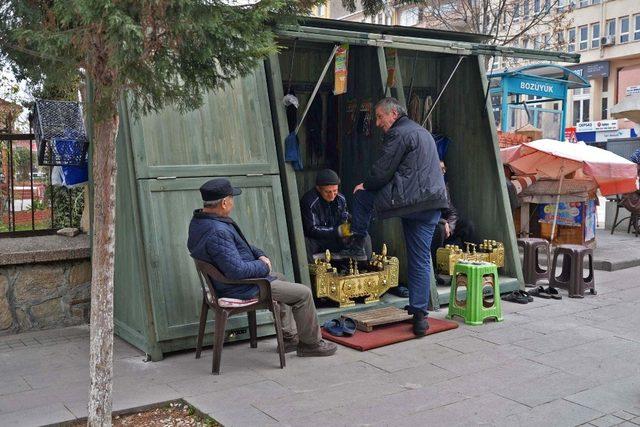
(291, 143)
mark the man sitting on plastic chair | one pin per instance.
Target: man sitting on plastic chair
(215, 238)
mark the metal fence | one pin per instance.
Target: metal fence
(29, 203)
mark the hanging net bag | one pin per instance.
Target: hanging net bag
(60, 133)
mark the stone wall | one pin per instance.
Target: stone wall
(43, 296)
(42, 287)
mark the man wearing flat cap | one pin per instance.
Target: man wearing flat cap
(215, 238)
(324, 215)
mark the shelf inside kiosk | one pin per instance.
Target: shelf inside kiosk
(339, 133)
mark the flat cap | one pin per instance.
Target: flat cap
(216, 189)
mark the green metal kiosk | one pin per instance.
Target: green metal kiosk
(239, 133)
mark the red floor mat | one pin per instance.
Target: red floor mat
(385, 335)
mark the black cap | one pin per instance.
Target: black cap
(327, 177)
(217, 189)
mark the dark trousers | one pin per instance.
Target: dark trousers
(418, 231)
(319, 246)
(465, 231)
(362, 212)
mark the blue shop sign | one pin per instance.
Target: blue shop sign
(536, 87)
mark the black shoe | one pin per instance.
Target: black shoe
(401, 291)
(420, 324)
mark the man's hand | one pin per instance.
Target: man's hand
(344, 230)
(266, 261)
(358, 187)
(447, 230)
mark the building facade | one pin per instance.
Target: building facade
(605, 32)
(607, 36)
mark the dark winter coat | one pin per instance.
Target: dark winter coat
(320, 219)
(219, 241)
(407, 175)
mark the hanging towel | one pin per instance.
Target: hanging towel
(292, 151)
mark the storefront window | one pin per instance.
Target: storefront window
(549, 122)
(581, 102)
(585, 110)
(571, 47)
(584, 37)
(560, 40)
(624, 29)
(611, 27)
(595, 35)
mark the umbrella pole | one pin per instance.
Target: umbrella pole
(555, 215)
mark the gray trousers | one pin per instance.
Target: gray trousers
(297, 310)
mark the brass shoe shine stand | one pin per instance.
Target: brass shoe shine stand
(488, 251)
(342, 287)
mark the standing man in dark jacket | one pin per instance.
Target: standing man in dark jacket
(404, 182)
(215, 238)
(324, 213)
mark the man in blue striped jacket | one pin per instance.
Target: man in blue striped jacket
(324, 212)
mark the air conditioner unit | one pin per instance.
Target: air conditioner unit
(608, 40)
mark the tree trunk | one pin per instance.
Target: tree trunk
(102, 265)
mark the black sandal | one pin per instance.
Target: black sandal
(553, 292)
(527, 295)
(540, 292)
(515, 296)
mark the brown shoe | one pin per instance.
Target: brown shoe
(322, 348)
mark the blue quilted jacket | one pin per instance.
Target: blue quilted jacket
(219, 241)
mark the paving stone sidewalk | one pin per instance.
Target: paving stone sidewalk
(560, 363)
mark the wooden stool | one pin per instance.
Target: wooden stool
(475, 277)
(531, 268)
(571, 276)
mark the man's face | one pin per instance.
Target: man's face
(385, 120)
(227, 205)
(328, 192)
